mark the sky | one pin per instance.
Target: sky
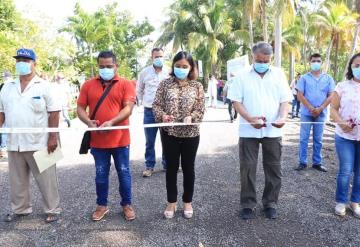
(55, 12)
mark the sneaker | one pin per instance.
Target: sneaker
(248, 213)
(301, 167)
(129, 213)
(270, 213)
(319, 167)
(355, 208)
(148, 172)
(340, 209)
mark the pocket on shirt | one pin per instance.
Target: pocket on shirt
(38, 104)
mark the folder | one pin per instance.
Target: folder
(44, 160)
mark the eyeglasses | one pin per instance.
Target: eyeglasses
(316, 61)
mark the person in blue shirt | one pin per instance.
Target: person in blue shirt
(315, 90)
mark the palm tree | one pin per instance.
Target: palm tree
(356, 36)
(336, 21)
(292, 43)
(284, 15)
(264, 20)
(87, 30)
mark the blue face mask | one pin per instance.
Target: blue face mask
(180, 73)
(158, 62)
(356, 73)
(107, 74)
(315, 66)
(23, 68)
(261, 67)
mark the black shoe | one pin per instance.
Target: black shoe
(300, 167)
(320, 168)
(14, 217)
(270, 213)
(248, 213)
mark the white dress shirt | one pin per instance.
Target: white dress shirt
(261, 97)
(27, 109)
(148, 83)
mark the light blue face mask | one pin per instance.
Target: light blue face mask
(315, 66)
(106, 74)
(23, 68)
(158, 62)
(356, 73)
(261, 67)
(180, 73)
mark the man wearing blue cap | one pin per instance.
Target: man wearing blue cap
(28, 102)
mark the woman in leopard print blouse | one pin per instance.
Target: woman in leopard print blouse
(180, 99)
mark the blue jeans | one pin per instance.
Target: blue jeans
(348, 152)
(318, 130)
(150, 136)
(102, 158)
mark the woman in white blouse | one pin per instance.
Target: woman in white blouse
(345, 110)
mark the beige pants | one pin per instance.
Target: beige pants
(20, 165)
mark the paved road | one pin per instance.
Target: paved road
(305, 210)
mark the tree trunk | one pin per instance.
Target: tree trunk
(328, 53)
(336, 59)
(91, 61)
(264, 21)
(278, 40)
(292, 66)
(355, 38)
(251, 31)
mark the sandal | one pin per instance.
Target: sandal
(100, 213)
(51, 218)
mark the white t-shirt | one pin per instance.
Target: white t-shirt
(28, 109)
(260, 97)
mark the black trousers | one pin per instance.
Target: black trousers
(174, 149)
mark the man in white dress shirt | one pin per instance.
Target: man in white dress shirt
(28, 102)
(261, 96)
(149, 80)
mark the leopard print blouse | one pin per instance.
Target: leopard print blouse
(180, 101)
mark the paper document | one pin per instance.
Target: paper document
(44, 160)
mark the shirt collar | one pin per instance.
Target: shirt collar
(316, 78)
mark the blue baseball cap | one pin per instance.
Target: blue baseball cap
(25, 53)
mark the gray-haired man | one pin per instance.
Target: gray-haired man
(260, 95)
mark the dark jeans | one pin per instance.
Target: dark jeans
(174, 149)
(150, 136)
(248, 152)
(233, 115)
(295, 106)
(102, 158)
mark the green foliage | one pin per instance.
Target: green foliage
(218, 30)
(107, 29)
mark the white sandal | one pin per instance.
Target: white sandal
(188, 214)
(170, 214)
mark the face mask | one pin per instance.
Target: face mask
(356, 73)
(315, 66)
(180, 73)
(261, 67)
(107, 74)
(23, 68)
(158, 62)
